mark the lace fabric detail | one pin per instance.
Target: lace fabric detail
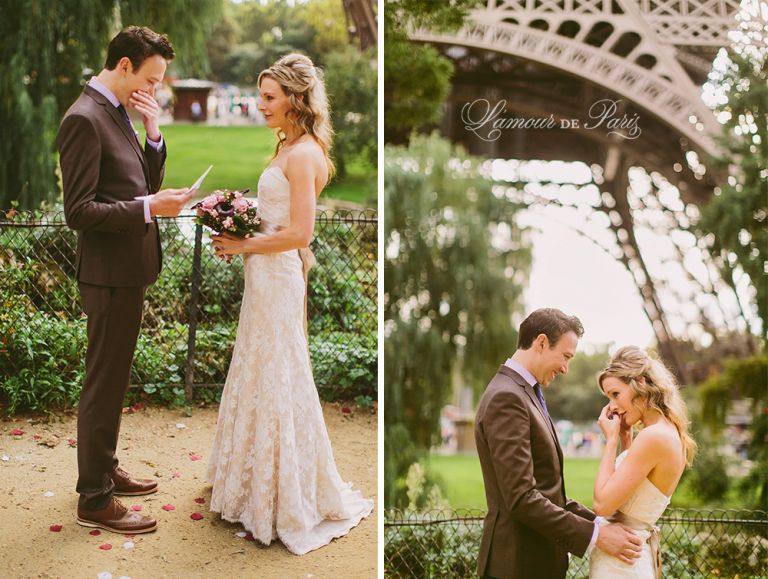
(271, 465)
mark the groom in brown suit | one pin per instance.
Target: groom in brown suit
(111, 198)
(531, 526)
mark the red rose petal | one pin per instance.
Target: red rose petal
(195, 516)
(16, 432)
(105, 547)
(346, 410)
(129, 536)
(135, 507)
(193, 456)
(200, 500)
(168, 508)
(55, 528)
(95, 533)
(72, 442)
(249, 537)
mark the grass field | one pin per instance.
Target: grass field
(462, 482)
(238, 155)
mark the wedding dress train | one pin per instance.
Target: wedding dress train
(271, 465)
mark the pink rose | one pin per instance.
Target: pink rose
(228, 223)
(241, 205)
(209, 202)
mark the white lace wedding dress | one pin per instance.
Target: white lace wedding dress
(640, 511)
(271, 464)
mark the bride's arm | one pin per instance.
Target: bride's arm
(612, 489)
(301, 172)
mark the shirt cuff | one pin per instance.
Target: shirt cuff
(598, 521)
(147, 213)
(156, 145)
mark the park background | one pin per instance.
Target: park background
(651, 241)
(49, 50)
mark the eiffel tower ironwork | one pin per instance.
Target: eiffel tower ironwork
(554, 58)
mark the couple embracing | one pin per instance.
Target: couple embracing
(271, 464)
(531, 526)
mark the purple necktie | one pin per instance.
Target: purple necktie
(540, 396)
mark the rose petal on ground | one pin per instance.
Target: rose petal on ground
(195, 516)
(200, 500)
(135, 507)
(72, 442)
(129, 545)
(241, 534)
(48, 494)
(168, 508)
(6, 458)
(249, 537)
(346, 410)
(129, 536)
(180, 425)
(193, 456)
(16, 432)
(105, 547)
(104, 575)
(55, 528)
(123, 577)
(95, 532)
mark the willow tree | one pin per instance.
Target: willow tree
(47, 48)
(454, 271)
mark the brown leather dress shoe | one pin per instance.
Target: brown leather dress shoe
(125, 485)
(117, 518)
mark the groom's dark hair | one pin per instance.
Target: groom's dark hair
(137, 43)
(548, 321)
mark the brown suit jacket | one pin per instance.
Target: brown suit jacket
(530, 527)
(103, 169)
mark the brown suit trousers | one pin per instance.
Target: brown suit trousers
(103, 169)
(530, 527)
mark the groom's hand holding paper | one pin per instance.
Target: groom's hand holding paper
(169, 202)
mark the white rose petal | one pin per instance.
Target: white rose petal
(181, 425)
(129, 545)
(48, 494)
(241, 534)
(104, 575)
(6, 458)
(124, 577)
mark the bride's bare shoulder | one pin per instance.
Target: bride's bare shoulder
(662, 438)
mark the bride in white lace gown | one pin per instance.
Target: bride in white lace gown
(636, 487)
(271, 466)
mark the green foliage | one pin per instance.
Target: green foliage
(708, 478)
(745, 378)
(351, 81)
(346, 364)
(452, 258)
(416, 77)
(735, 220)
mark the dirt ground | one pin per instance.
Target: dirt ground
(38, 472)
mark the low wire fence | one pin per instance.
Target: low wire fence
(191, 312)
(695, 543)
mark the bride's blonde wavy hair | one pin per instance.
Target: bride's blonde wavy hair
(654, 387)
(304, 86)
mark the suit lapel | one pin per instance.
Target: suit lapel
(520, 381)
(121, 125)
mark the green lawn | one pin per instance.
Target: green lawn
(239, 155)
(462, 483)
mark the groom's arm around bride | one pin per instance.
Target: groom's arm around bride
(531, 526)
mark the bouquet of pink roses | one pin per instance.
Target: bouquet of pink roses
(228, 212)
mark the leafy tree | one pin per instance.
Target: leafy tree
(736, 218)
(48, 49)
(351, 81)
(743, 378)
(453, 277)
(416, 77)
